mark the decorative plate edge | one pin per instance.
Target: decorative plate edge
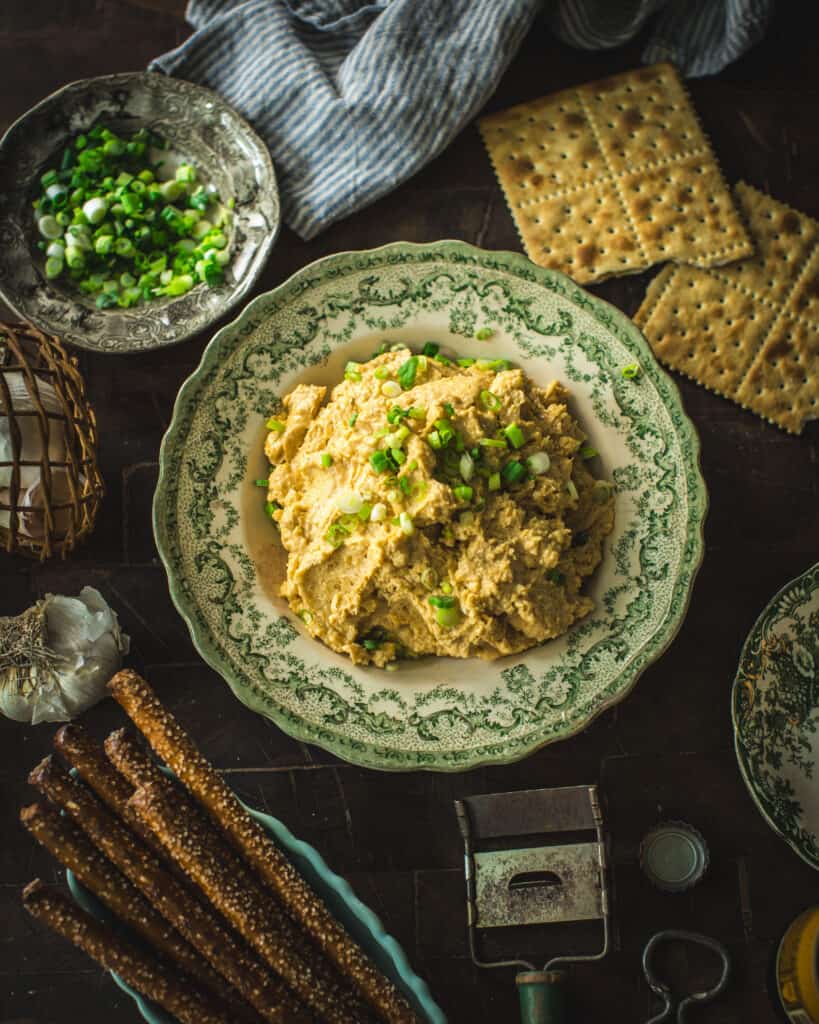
(78, 340)
(738, 745)
(372, 922)
(371, 758)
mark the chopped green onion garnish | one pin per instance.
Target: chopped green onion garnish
(395, 414)
(277, 425)
(270, 507)
(446, 587)
(514, 435)
(539, 463)
(434, 440)
(438, 601)
(463, 492)
(379, 461)
(326, 460)
(449, 409)
(404, 485)
(430, 349)
(466, 362)
(490, 401)
(352, 371)
(484, 334)
(513, 472)
(407, 372)
(336, 534)
(447, 617)
(262, 483)
(587, 452)
(398, 456)
(494, 482)
(631, 372)
(352, 419)
(491, 442)
(382, 372)
(417, 413)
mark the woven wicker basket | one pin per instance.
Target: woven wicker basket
(50, 485)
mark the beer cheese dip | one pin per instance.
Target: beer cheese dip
(432, 505)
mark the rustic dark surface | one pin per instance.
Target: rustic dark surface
(666, 752)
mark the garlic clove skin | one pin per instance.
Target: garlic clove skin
(32, 509)
(56, 658)
(32, 446)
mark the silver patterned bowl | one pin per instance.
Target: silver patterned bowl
(198, 125)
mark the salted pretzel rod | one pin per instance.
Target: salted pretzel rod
(203, 855)
(69, 845)
(141, 770)
(80, 750)
(198, 924)
(133, 762)
(170, 741)
(141, 970)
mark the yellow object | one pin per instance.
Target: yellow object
(797, 969)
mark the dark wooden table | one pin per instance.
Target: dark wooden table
(666, 752)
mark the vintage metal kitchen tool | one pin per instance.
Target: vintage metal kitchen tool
(542, 884)
(664, 992)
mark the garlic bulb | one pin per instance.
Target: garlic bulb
(56, 657)
(31, 444)
(31, 504)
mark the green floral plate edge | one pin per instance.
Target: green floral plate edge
(789, 830)
(364, 925)
(609, 316)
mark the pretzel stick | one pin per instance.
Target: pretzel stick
(141, 770)
(199, 925)
(175, 747)
(81, 751)
(69, 845)
(133, 762)
(204, 857)
(141, 970)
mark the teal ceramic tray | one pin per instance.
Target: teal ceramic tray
(357, 918)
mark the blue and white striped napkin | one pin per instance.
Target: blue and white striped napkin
(700, 36)
(353, 97)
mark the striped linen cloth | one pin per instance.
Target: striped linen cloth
(700, 36)
(351, 97)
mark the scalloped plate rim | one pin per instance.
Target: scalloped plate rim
(264, 250)
(372, 756)
(750, 785)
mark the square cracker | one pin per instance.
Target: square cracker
(634, 141)
(582, 235)
(749, 331)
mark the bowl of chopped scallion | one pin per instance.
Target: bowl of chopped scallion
(136, 210)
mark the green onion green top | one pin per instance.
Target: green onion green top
(407, 372)
(123, 236)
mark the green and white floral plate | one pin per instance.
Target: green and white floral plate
(221, 552)
(775, 707)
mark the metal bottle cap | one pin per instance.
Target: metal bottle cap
(674, 856)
